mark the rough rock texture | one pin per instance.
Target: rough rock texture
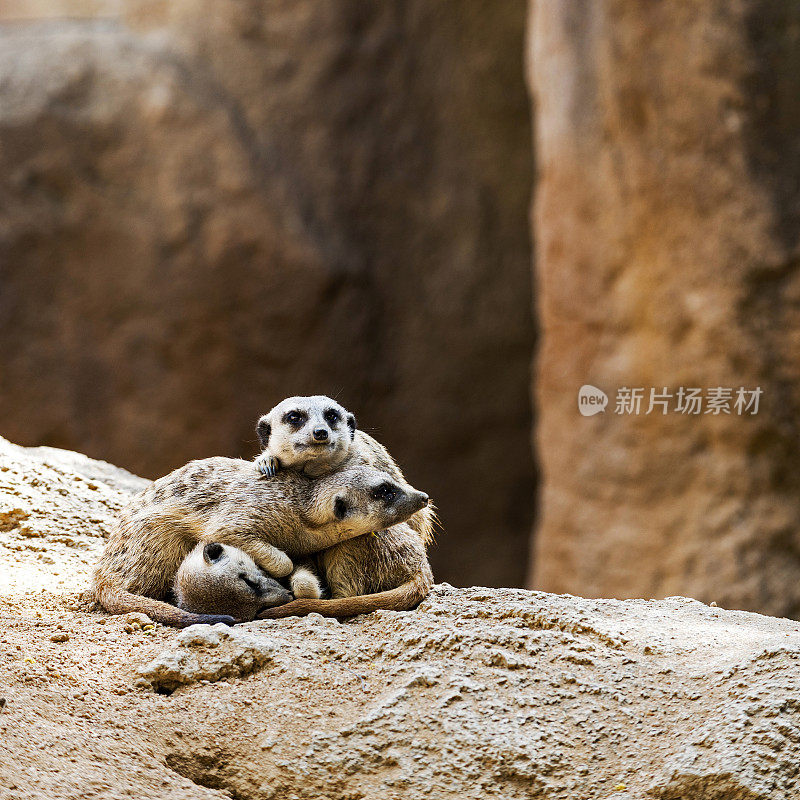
(55, 508)
(206, 653)
(207, 207)
(479, 693)
(666, 224)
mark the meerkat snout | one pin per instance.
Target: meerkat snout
(414, 501)
(420, 500)
(398, 501)
(271, 593)
(321, 434)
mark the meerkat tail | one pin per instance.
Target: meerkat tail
(118, 601)
(405, 597)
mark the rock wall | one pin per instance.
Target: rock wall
(666, 227)
(479, 693)
(209, 206)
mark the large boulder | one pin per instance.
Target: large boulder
(210, 206)
(666, 223)
(478, 693)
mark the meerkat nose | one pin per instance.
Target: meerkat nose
(421, 500)
(320, 434)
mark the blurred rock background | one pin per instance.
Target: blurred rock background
(667, 223)
(206, 207)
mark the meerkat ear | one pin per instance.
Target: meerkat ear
(340, 508)
(351, 423)
(212, 551)
(263, 429)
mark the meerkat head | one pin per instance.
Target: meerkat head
(309, 433)
(363, 499)
(218, 579)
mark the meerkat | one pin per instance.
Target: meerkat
(218, 579)
(398, 578)
(316, 436)
(313, 435)
(221, 500)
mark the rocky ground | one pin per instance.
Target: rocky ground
(478, 693)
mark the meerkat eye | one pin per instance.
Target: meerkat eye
(340, 508)
(332, 416)
(386, 493)
(295, 418)
(251, 583)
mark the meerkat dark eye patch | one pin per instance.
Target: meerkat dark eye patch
(386, 492)
(212, 551)
(254, 585)
(295, 418)
(340, 508)
(332, 416)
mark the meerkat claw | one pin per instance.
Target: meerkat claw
(268, 467)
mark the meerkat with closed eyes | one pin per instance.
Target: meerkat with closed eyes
(221, 500)
(398, 578)
(316, 436)
(216, 578)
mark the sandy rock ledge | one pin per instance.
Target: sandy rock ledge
(479, 693)
(206, 653)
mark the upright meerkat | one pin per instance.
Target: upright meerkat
(316, 436)
(313, 435)
(221, 500)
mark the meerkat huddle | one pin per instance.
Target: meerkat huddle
(324, 508)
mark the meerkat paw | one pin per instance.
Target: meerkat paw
(305, 584)
(267, 465)
(280, 565)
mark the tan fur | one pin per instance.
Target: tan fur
(305, 582)
(402, 598)
(223, 500)
(389, 570)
